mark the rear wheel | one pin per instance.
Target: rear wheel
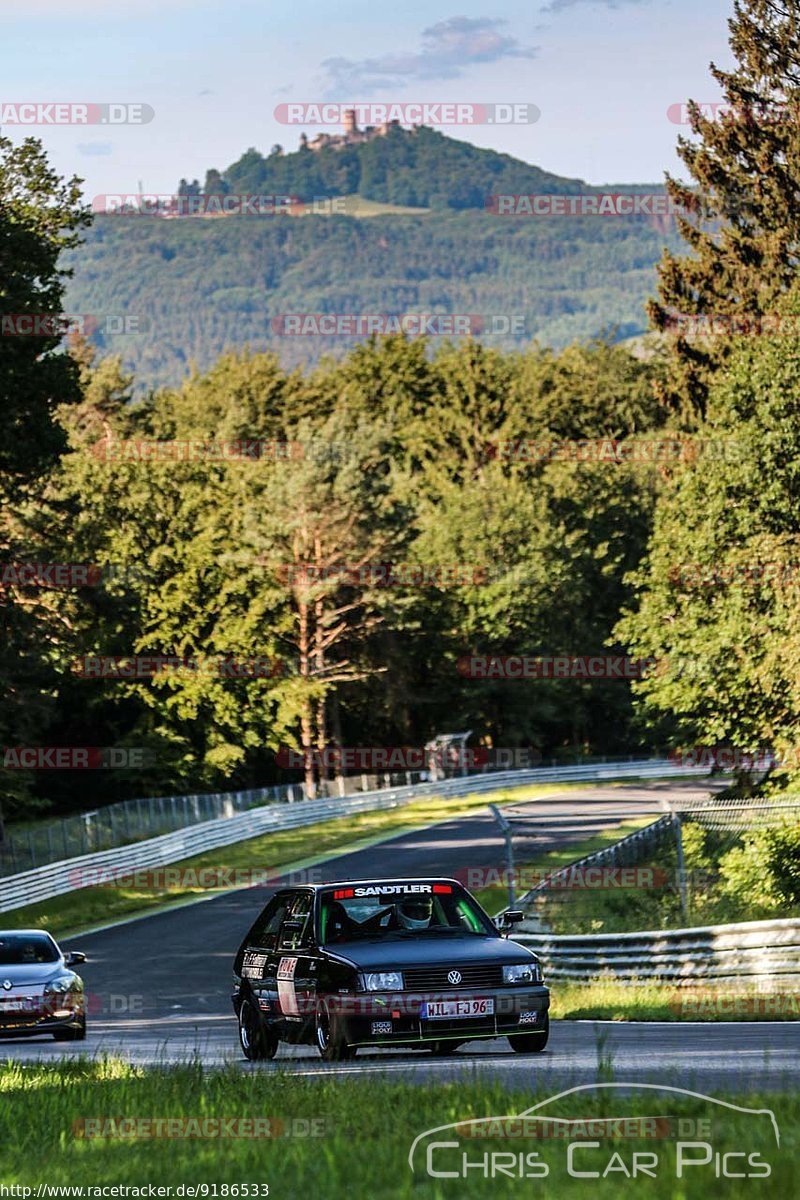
(329, 1036)
(71, 1035)
(531, 1043)
(257, 1042)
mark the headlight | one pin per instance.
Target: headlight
(383, 981)
(523, 973)
(56, 987)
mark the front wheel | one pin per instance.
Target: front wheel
(257, 1042)
(330, 1037)
(531, 1043)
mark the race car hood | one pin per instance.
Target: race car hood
(429, 950)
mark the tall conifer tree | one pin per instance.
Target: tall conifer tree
(743, 223)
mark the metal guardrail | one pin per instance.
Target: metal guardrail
(753, 952)
(127, 821)
(55, 879)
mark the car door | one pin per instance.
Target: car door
(296, 960)
(256, 962)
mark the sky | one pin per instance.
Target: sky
(602, 74)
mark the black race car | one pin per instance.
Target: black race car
(38, 991)
(408, 962)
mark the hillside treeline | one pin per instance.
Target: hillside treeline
(184, 291)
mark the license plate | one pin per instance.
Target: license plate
(7, 1005)
(437, 1010)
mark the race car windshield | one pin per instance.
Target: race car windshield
(347, 917)
(17, 950)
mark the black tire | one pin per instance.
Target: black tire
(71, 1035)
(329, 1036)
(531, 1043)
(257, 1042)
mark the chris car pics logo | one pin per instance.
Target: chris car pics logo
(723, 1141)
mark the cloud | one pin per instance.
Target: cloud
(95, 148)
(447, 49)
(559, 5)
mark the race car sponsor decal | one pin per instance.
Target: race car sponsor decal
(253, 964)
(391, 889)
(287, 994)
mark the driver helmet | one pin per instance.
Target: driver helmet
(415, 912)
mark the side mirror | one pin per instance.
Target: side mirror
(510, 918)
(73, 957)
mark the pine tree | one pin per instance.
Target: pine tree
(742, 222)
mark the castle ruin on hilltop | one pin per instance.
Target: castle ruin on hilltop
(352, 135)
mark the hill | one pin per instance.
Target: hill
(199, 285)
(419, 168)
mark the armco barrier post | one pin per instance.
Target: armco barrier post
(676, 821)
(508, 835)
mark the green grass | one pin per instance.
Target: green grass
(83, 909)
(612, 1000)
(365, 1128)
(359, 206)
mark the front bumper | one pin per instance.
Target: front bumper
(397, 1019)
(40, 1015)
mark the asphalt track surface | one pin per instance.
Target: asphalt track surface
(159, 987)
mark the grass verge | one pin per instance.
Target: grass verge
(362, 1132)
(611, 1000)
(85, 908)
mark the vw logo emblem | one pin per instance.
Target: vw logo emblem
(454, 977)
(7, 984)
